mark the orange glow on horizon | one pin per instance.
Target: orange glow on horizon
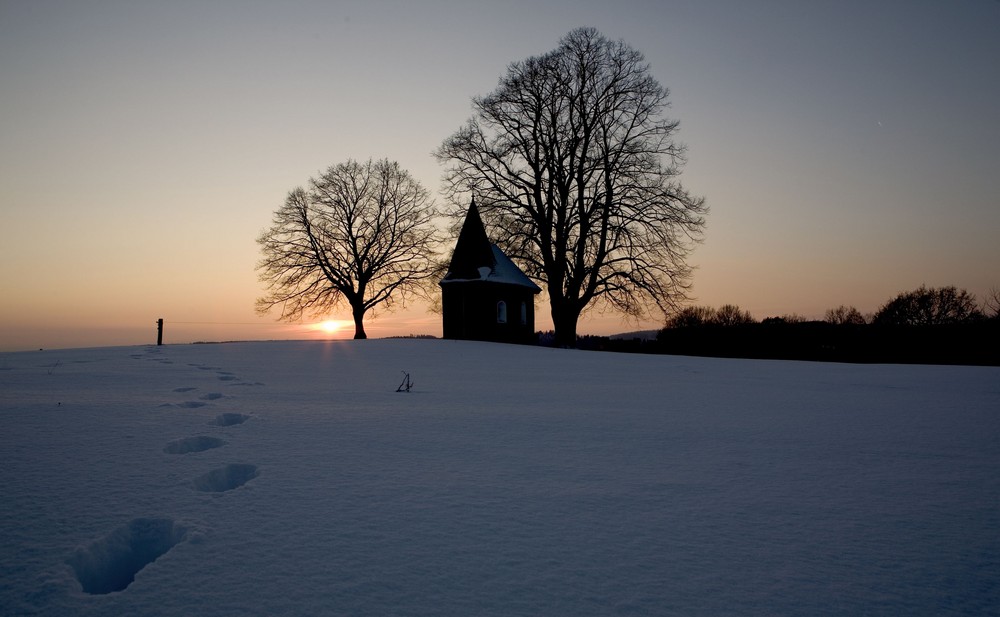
(330, 326)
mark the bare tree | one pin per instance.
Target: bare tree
(731, 315)
(362, 233)
(929, 307)
(845, 315)
(991, 304)
(692, 317)
(572, 161)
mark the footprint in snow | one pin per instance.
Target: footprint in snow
(185, 389)
(211, 396)
(192, 404)
(229, 419)
(225, 478)
(111, 563)
(193, 444)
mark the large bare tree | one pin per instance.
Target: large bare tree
(571, 160)
(362, 233)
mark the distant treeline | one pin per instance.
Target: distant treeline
(928, 326)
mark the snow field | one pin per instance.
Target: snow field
(291, 478)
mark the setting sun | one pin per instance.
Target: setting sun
(330, 326)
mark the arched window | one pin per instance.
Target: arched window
(524, 313)
(501, 312)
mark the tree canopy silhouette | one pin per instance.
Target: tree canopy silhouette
(730, 315)
(362, 233)
(845, 315)
(929, 307)
(692, 317)
(571, 159)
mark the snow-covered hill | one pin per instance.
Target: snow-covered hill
(291, 478)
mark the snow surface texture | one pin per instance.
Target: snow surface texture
(291, 478)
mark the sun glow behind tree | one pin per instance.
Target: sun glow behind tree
(330, 326)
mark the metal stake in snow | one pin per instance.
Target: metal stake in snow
(406, 385)
(159, 331)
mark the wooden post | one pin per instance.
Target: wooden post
(159, 331)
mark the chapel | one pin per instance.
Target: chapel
(484, 295)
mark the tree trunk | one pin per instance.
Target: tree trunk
(564, 319)
(359, 326)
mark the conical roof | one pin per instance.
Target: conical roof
(477, 259)
(473, 250)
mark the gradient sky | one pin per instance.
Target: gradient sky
(848, 150)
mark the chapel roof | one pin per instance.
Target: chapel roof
(477, 259)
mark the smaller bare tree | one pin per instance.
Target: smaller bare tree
(692, 317)
(732, 315)
(991, 304)
(845, 315)
(362, 234)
